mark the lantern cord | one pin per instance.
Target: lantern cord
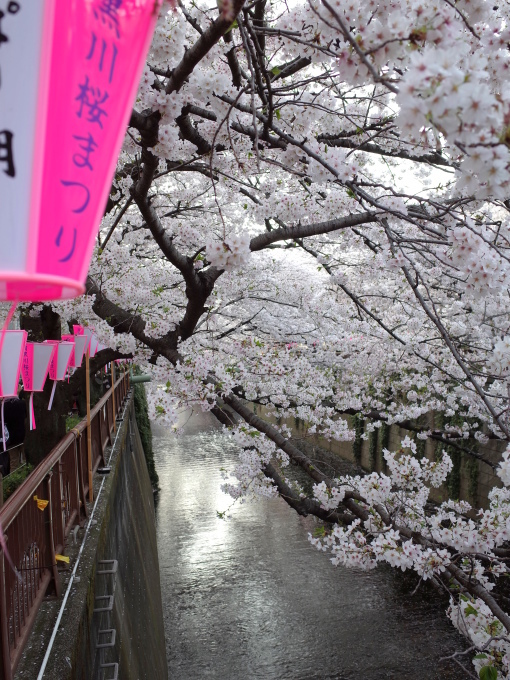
(52, 395)
(31, 410)
(2, 337)
(3, 425)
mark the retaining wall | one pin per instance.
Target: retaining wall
(476, 478)
(123, 544)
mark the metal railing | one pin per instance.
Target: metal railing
(34, 537)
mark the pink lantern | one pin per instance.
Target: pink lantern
(10, 365)
(80, 345)
(94, 342)
(34, 370)
(61, 131)
(80, 331)
(13, 347)
(59, 364)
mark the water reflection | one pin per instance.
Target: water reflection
(249, 598)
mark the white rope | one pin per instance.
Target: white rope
(31, 409)
(52, 395)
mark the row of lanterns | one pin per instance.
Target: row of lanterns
(35, 361)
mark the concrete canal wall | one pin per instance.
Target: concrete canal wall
(117, 589)
(470, 480)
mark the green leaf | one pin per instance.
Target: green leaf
(276, 71)
(278, 114)
(488, 673)
(480, 656)
(470, 610)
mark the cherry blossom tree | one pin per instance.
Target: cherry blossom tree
(311, 212)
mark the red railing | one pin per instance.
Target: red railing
(34, 537)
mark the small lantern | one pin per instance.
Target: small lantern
(81, 332)
(12, 357)
(34, 370)
(13, 347)
(80, 345)
(70, 72)
(59, 364)
(94, 342)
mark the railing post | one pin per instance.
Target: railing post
(89, 433)
(108, 421)
(80, 493)
(101, 419)
(113, 398)
(5, 665)
(49, 534)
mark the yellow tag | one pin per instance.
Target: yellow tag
(62, 558)
(40, 503)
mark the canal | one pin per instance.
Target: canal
(248, 597)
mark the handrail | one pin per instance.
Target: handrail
(34, 537)
(26, 489)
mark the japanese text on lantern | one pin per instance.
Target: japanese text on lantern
(7, 136)
(92, 99)
(25, 370)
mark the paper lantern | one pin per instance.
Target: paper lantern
(94, 342)
(34, 370)
(59, 364)
(79, 331)
(69, 75)
(80, 345)
(12, 357)
(13, 347)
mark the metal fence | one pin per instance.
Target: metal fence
(35, 536)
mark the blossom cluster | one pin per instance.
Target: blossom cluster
(484, 268)
(445, 539)
(232, 252)
(256, 451)
(473, 619)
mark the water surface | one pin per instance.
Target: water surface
(248, 597)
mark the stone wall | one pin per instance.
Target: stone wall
(475, 478)
(121, 539)
(127, 536)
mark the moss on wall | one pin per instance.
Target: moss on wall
(385, 443)
(373, 440)
(357, 446)
(144, 428)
